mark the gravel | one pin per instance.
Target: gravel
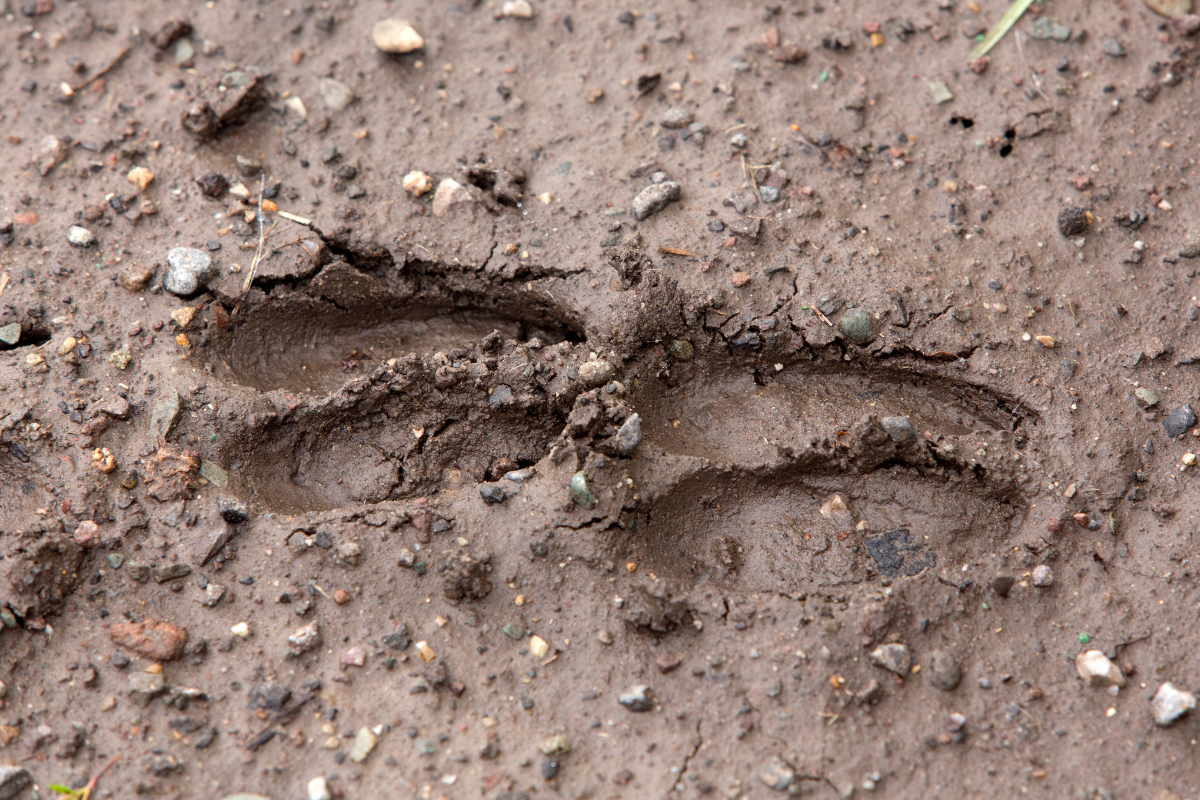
(188, 269)
(1170, 703)
(653, 199)
(892, 657)
(1179, 421)
(638, 699)
(396, 36)
(944, 670)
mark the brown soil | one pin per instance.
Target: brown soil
(363, 400)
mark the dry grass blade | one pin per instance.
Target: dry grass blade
(262, 236)
(1002, 27)
(675, 251)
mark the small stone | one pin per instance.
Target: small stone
(425, 652)
(941, 92)
(249, 167)
(900, 429)
(538, 646)
(170, 572)
(638, 699)
(944, 671)
(739, 279)
(892, 657)
(336, 94)
(1169, 704)
(769, 194)
(1095, 667)
(653, 199)
(555, 746)
(364, 743)
(580, 493)
(13, 781)
(87, 534)
(396, 36)
(10, 334)
(1145, 397)
(318, 789)
(51, 152)
(164, 415)
(213, 593)
(595, 373)
(187, 270)
(1073, 221)
(80, 236)
(1046, 28)
(213, 184)
(140, 177)
(183, 316)
(1186, 24)
(521, 9)
(777, 775)
(683, 350)
(417, 183)
(136, 279)
(241, 630)
(1179, 421)
(1043, 576)
(855, 325)
(1114, 48)
(667, 663)
(145, 686)
(628, 436)
(492, 493)
(151, 639)
(449, 194)
(67, 345)
(604, 637)
(341, 597)
(676, 117)
(354, 657)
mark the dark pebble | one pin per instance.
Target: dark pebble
(1073, 221)
(1179, 421)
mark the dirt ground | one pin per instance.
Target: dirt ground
(760, 400)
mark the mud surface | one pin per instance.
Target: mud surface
(726, 347)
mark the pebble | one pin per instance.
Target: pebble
(364, 743)
(354, 657)
(1095, 667)
(521, 9)
(241, 630)
(944, 670)
(892, 657)
(941, 92)
(739, 279)
(336, 94)
(164, 415)
(318, 789)
(579, 491)
(653, 199)
(1145, 397)
(151, 639)
(667, 663)
(556, 745)
(855, 325)
(1073, 221)
(396, 36)
(417, 183)
(1169, 704)
(1046, 28)
(629, 436)
(14, 781)
(140, 177)
(1179, 421)
(900, 429)
(1114, 48)
(683, 349)
(449, 193)
(79, 236)
(145, 686)
(777, 775)
(595, 373)
(739, 141)
(233, 510)
(67, 345)
(213, 593)
(604, 637)
(10, 334)
(538, 646)
(638, 699)
(1043, 576)
(676, 117)
(769, 194)
(187, 270)
(305, 638)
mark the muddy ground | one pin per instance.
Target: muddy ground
(493, 461)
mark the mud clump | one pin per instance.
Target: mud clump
(38, 569)
(466, 578)
(1074, 221)
(151, 639)
(236, 96)
(170, 474)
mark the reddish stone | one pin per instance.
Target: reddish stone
(667, 663)
(1054, 525)
(151, 639)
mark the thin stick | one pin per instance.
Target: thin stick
(87, 790)
(111, 66)
(262, 236)
(3, 283)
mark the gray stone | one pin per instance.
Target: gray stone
(336, 94)
(170, 572)
(213, 593)
(1169, 704)
(1179, 421)
(900, 429)
(629, 436)
(164, 416)
(214, 474)
(1145, 397)
(79, 236)
(676, 117)
(501, 396)
(10, 334)
(944, 671)
(580, 493)
(892, 657)
(144, 687)
(769, 194)
(211, 541)
(14, 781)
(941, 92)
(185, 51)
(777, 775)
(187, 270)
(309, 636)
(855, 325)
(653, 199)
(595, 373)
(1114, 48)
(1046, 28)
(492, 493)
(638, 699)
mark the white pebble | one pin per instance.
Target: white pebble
(1043, 576)
(1169, 704)
(1095, 667)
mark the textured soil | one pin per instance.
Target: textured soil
(742, 545)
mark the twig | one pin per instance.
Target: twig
(262, 236)
(111, 66)
(3, 283)
(824, 318)
(674, 251)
